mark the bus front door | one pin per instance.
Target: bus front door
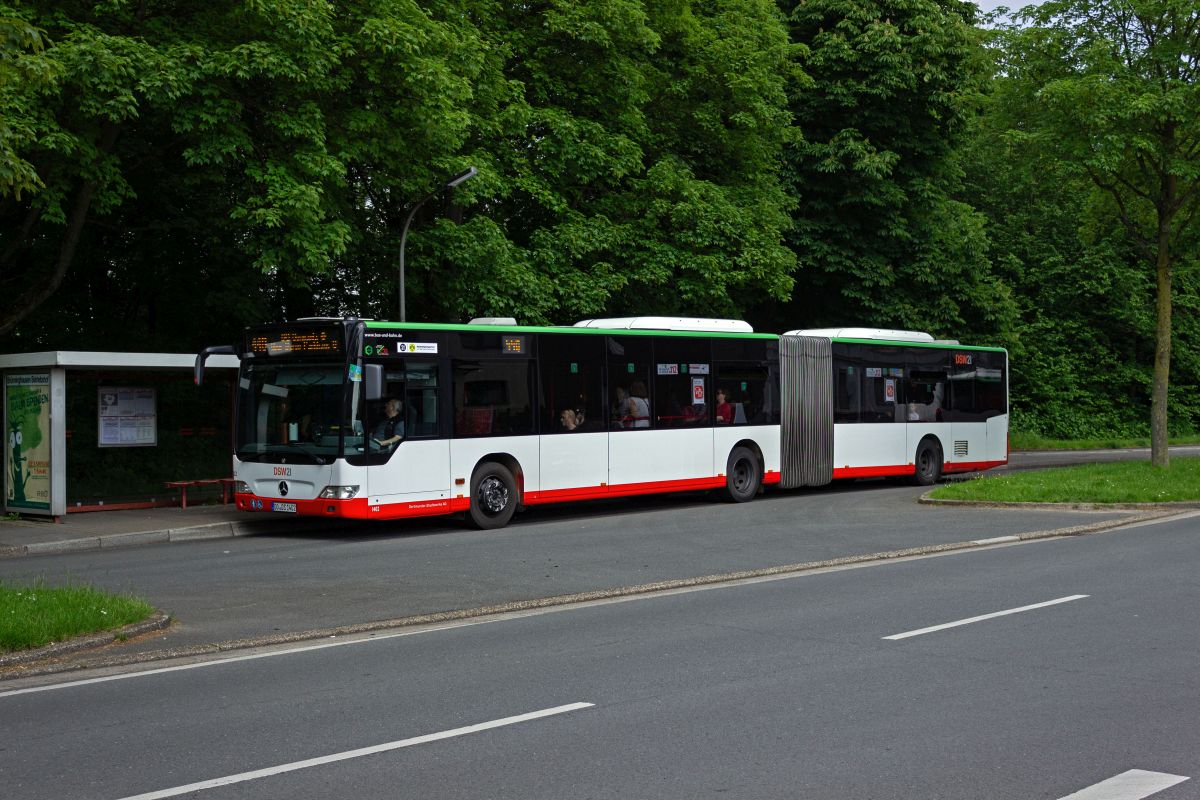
(418, 470)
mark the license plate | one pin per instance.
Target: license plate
(288, 507)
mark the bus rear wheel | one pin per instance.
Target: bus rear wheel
(743, 476)
(493, 496)
(928, 464)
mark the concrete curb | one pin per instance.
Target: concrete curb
(1173, 506)
(31, 667)
(157, 622)
(215, 530)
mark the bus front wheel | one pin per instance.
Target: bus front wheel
(743, 475)
(493, 496)
(928, 464)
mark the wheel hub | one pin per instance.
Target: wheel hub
(741, 474)
(493, 495)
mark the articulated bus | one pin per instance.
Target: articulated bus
(361, 419)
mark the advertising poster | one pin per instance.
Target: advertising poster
(27, 457)
(128, 417)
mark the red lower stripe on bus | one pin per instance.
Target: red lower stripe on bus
(359, 508)
(872, 472)
(973, 466)
(623, 490)
(893, 470)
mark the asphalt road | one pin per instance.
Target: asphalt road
(1037, 459)
(263, 586)
(787, 688)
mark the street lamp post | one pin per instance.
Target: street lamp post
(465, 175)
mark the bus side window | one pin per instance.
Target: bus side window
(925, 388)
(847, 391)
(420, 407)
(630, 404)
(881, 400)
(682, 385)
(421, 399)
(393, 387)
(977, 386)
(493, 397)
(572, 379)
(747, 390)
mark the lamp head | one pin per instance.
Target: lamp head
(462, 177)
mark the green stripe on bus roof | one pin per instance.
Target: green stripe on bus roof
(464, 328)
(933, 345)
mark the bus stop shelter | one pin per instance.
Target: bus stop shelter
(86, 431)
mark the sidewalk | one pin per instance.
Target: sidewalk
(93, 530)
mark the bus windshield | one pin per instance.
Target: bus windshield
(291, 412)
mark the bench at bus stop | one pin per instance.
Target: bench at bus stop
(226, 485)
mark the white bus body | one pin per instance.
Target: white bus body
(480, 425)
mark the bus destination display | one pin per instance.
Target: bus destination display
(298, 340)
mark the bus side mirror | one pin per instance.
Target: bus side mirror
(202, 356)
(374, 378)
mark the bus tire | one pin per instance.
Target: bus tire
(928, 464)
(743, 475)
(493, 496)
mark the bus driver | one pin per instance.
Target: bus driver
(391, 428)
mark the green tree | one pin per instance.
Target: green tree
(879, 235)
(635, 171)
(1110, 89)
(246, 159)
(165, 148)
(1084, 305)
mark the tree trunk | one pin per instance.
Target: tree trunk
(1160, 455)
(23, 306)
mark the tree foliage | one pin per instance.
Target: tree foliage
(878, 233)
(268, 153)
(1108, 91)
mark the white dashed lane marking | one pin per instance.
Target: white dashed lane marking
(1132, 785)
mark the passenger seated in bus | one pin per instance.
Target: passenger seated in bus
(390, 429)
(620, 408)
(929, 405)
(924, 412)
(695, 414)
(724, 407)
(638, 414)
(571, 419)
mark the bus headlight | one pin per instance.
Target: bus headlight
(241, 487)
(338, 492)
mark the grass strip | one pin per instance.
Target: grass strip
(1032, 441)
(34, 616)
(1121, 482)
